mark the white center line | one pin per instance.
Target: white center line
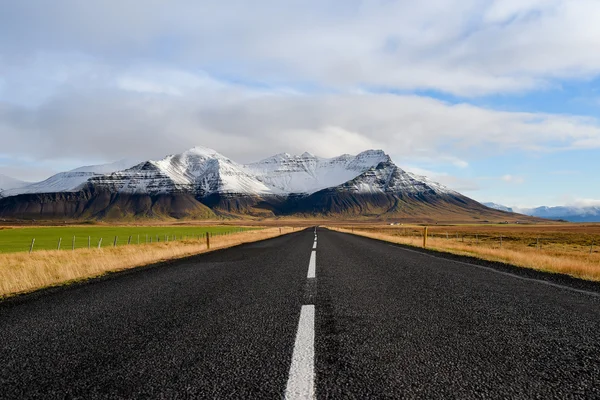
(315, 245)
(312, 265)
(301, 382)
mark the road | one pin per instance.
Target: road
(328, 316)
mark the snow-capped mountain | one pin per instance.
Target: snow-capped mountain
(204, 172)
(199, 170)
(308, 173)
(8, 183)
(70, 181)
(200, 183)
(497, 206)
(386, 177)
(566, 213)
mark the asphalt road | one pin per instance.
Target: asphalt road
(336, 317)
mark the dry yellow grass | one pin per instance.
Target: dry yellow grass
(555, 259)
(23, 272)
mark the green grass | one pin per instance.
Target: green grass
(14, 240)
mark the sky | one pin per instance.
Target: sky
(498, 99)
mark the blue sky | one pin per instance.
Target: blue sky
(496, 99)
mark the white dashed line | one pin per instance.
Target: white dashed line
(315, 245)
(312, 265)
(301, 381)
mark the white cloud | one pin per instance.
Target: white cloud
(466, 47)
(166, 111)
(451, 181)
(513, 179)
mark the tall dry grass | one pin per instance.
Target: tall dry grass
(23, 272)
(580, 264)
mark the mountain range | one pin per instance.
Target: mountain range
(565, 213)
(201, 183)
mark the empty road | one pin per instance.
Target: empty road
(321, 315)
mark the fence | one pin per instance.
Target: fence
(135, 239)
(581, 242)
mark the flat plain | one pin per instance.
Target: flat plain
(572, 249)
(18, 238)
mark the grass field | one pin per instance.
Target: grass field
(22, 272)
(572, 249)
(18, 239)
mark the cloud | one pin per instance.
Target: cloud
(451, 181)
(468, 48)
(513, 179)
(143, 112)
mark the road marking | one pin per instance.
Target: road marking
(312, 265)
(301, 381)
(315, 245)
(556, 285)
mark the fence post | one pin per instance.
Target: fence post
(31, 247)
(280, 231)
(129, 240)
(138, 239)
(207, 240)
(73, 244)
(100, 243)
(115, 242)
(477, 238)
(446, 235)
(89, 242)
(59, 240)
(424, 237)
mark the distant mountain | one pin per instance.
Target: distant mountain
(566, 213)
(201, 183)
(70, 181)
(496, 206)
(7, 183)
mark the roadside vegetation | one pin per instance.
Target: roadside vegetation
(16, 239)
(23, 272)
(572, 249)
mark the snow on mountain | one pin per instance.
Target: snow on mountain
(204, 171)
(386, 177)
(496, 206)
(567, 213)
(199, 170)
(8, 183)
(308, 173)
(572, 213)
(69, 181)
(108, 168)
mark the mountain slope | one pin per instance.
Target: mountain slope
(496, 206)
(7, 183)
(70, 181)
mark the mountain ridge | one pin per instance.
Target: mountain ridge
(570, 213)
(200, 182)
